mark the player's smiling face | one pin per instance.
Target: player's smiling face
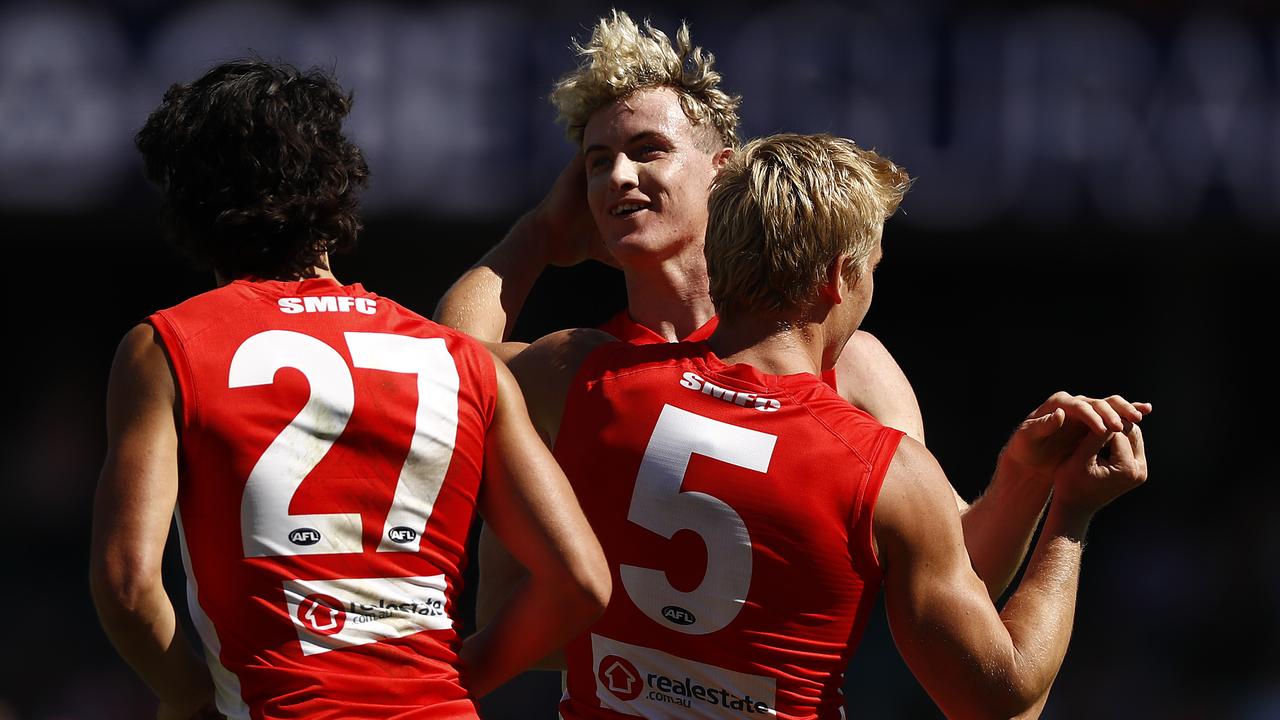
(648, 176)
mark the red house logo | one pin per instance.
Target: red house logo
(620, 677)
(322, 614)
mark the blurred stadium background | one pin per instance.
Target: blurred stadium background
(1097, 209)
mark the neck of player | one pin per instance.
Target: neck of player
(319, 270)
(670, 297)
(775, 346)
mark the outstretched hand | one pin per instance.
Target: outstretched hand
(568, 229)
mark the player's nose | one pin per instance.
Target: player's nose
(622, 176)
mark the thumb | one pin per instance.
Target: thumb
(1090, 445)
(1046, 425)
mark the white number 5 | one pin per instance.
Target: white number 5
(658, 504)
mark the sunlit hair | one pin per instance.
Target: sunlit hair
(257, 177)
(783, 209)
(622, 58)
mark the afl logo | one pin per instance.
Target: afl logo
(401, 534)
(304, 536)
(321, 614)
(678, 615)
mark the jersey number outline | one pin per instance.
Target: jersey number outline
(658, 504)
(267, 527)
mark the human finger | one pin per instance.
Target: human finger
(1125, 409)
(1084, 410)
(1046, 425)
(1056, 400)
(1089, 447)
(1139, 448)
(1110, 417)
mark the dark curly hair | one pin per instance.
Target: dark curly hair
(257, 177)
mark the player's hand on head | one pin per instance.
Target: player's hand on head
(568, 229)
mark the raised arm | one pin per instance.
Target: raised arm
(486, 300)
(998, 526)
(527, 502)
(136, 494)
(972, 660)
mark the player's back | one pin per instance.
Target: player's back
(331, 453)
(734, 508)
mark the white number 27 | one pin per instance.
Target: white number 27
(658, 504)
(267, 528)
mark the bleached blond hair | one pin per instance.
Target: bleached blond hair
(622, 58)
(784, 208)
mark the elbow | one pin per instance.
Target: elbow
(122, 589)
(1014, 698)
(595, 588)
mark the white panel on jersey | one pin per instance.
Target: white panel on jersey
(334, 614)
(658, 504)
(435, 431)
(266, 526)
(648, 683)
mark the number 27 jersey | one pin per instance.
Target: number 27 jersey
(734, 508)
(331, 453)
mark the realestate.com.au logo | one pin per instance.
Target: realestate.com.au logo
(626, 683)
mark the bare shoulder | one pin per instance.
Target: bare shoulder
(558, 354)
(869, 378)
(141, 364)
(866, 357)
(545, 371)
(916, 496)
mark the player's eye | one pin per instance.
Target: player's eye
(597, 162)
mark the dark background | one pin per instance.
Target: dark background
(1096, 210)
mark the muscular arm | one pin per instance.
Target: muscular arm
(486, 300)
(973, 660)
(528, 504)
(136, 494)
(999, 525)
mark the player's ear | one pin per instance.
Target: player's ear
(839, 280)
(721, 157)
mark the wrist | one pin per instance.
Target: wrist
(1010, 470)
(537, 230)
(1068, 520)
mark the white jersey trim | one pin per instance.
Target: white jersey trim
(226, 683)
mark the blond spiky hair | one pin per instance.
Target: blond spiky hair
(784, 208)
(621, 58)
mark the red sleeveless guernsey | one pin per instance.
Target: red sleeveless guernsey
(331, 451)
(735, 510)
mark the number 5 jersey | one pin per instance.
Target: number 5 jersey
(331, 453)
(735, 509)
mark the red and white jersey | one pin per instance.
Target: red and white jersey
(626, 329)
(331, 453)
(734, 508)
